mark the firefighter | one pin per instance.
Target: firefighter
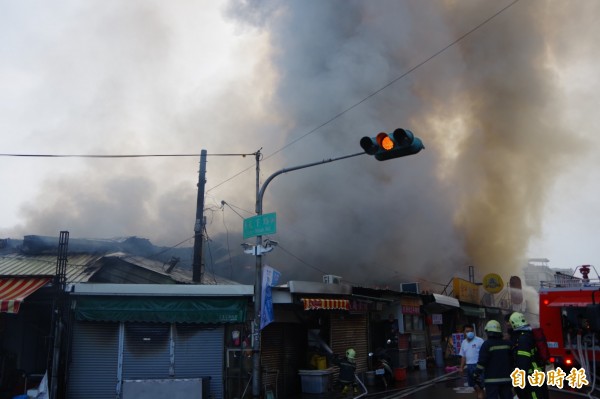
(524, 356)
(347, 367)
(495, 364)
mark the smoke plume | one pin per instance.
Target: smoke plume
(490, 109)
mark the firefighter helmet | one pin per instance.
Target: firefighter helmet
(351, 354)
(517, 320)
(493, 326)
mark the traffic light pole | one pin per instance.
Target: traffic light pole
(256, 372)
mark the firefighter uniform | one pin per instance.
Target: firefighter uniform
(347, 367)
(495, 363)
(524, 354)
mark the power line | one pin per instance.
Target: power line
(300, 260)
(118, 156)
(373, 94)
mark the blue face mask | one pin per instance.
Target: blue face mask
(470, 335)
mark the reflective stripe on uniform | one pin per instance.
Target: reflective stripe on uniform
(499, 347)
(523, 353)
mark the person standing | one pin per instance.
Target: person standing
(495, 364)
(525, 357)
(469, 355)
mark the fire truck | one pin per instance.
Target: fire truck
(570, 317)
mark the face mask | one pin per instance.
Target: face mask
(470, 335)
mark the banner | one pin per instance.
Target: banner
(270, 278)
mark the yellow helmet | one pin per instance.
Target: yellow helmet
(493, 326)
(350, 353)
(517, 320)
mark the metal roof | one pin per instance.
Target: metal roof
(178, 274)
(80, 267)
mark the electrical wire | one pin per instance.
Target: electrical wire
(227, 240)
(300, 260)
(376, 92)
(172, 247)
(223, 203)
(212, 262)
(117, 156)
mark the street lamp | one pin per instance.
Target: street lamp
(403, 144)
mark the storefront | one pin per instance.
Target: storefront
(443, 320)
(125, 333)
(25, 320)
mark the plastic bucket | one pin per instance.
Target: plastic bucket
(321, 363)
(400, 373)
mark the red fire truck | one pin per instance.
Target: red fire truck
(570, 317)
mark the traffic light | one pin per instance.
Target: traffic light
(387, 146)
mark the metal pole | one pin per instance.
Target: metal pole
(257, 296)
(197, 268)
(256, 376)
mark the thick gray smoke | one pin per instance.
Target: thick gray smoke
(489, 110)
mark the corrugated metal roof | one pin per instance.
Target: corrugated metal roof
(80, 267)
(177, 274)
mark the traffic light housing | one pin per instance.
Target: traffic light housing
(386, 146)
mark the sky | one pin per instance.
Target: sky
(502, 94)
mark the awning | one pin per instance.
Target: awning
(13, 291)
(161, 309)
(446, 300)
(441, 303)
(328, 304)
(473, 311)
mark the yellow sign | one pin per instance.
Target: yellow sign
(465, 290)
(492, 283)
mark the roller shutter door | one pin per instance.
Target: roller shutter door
(350, 331)
(199, 353)
(146, 351)
(93, 366)
(282, 351)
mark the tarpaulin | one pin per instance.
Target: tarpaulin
(322, 303)
(13, 291)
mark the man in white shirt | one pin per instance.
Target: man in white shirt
(469, 352)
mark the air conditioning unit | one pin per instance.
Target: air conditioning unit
(410, 287)
(331, 279)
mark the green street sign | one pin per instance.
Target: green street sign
(260, 225)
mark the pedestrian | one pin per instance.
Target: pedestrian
(347, 367)
(469, 355)
(495, 364)
(524, 355)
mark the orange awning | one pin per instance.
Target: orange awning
(328, 304)
(14, 290)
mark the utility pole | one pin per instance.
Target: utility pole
(256, 372)
(198, 266)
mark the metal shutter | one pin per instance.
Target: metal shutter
(199, 353)
(282, 350)
(350, 331)
(146, 353)
(93, 366)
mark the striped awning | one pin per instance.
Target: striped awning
(14, 290)
(328, 304)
